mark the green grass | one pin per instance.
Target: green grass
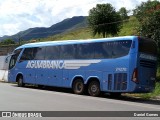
(128, 28)
(147, 96)
(82, 33)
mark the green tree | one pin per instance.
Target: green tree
(148, 15)
(8, 41)
(103, 19)
(123, 13)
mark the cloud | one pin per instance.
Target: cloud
(18, 15)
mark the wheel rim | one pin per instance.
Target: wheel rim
(94, 88)
(20, 82)
(79, 87)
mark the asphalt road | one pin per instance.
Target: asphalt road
(13, 98)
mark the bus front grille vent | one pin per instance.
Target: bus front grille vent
(147, 64)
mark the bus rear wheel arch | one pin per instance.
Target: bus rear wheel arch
(78, 86)
(20, 80)
(94, 87)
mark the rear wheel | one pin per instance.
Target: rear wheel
(94, 88)
(20, 81)
(78, 86)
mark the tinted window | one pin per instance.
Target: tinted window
(103, 50)
(52, 52)
(14, 58)
(27, 54)
(67, 51)
(147, 46)
(17, 52)
(112, 49)
(85, 51)
(39, 53)
(121, 48)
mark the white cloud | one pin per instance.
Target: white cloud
(18, 15)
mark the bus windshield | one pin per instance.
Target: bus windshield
(147, 46)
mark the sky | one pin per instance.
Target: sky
(19, 15)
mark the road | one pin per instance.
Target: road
(13, 98)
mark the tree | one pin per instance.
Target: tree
(8, 41)
(148, 15)
(123, 13)
(103, 19)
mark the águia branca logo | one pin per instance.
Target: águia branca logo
(60, 64)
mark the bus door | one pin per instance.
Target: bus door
(12, 65)
(29, 75)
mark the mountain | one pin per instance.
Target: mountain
(43, 32)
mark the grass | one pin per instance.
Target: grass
(128, 28)
(151, 95)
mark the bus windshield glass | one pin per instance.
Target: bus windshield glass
(147, 46)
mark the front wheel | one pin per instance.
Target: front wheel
(78, 86)
(94, 88)
(20, 81)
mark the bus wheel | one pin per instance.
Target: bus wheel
(20, 81)
(78, 86)
(94, 88)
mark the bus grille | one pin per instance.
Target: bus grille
(120, 81)
(148, 64)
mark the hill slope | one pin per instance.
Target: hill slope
(128, 28)
(42, 32)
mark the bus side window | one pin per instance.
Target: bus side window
(67, 52)
(39, 53)
(121, 48)
(85, 51)
(103, 50)
(52, 53)
(27, 54)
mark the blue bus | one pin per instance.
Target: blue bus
(113, 65)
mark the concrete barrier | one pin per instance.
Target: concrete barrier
(4, 75)
(3, 69)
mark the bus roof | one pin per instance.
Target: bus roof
(64, 42)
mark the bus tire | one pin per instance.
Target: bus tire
(78, 86)
(94, 88)
(20, 81)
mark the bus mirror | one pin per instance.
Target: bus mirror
(6, 60)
